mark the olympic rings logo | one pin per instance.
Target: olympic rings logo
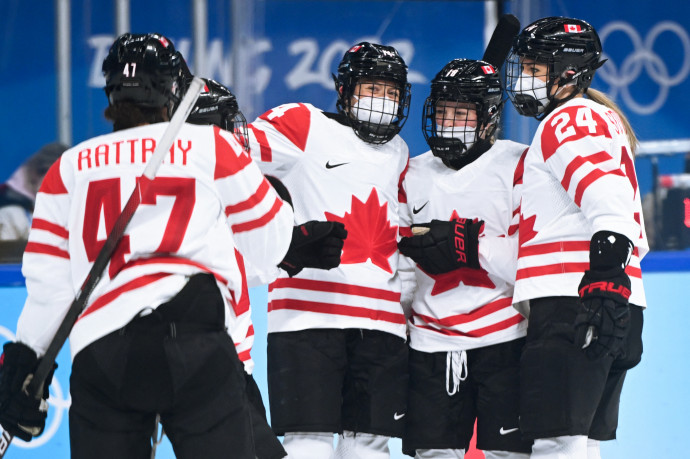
(643, 57)
(58, 405)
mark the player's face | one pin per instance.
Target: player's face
(456, 114)
(534, 69)
(377, 88)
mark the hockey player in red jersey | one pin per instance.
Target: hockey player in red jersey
(337, 357)
(154, 337)
(460, 226)
(581, 241)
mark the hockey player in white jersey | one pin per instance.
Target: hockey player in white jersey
(218, 106)
(153, 339)
(581, 241)
(337, 357)
(460, 226)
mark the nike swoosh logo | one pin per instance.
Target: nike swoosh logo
(503, 431)
(397, 416)
(416, 211)
(331, 166)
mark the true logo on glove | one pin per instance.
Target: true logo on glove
(460, 240)
(604, 286)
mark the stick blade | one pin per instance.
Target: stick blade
(501, 41)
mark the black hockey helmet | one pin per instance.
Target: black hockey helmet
(143, 69)
(569, 47)
(466, 81)
(217, 105)
(371, 60)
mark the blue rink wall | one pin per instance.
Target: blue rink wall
(653, 411)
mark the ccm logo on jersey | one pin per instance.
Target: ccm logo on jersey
(460, 240)
(605, 286)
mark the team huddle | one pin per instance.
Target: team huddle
(484, 288)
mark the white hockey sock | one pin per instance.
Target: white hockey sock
(308, 445)
(593, 451)
(565, 447)
(492, 454)
(439, 454)
(362, 446)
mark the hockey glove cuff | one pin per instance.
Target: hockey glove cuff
(603, 320)
(314, 244)
(446, 246)
(21, 414)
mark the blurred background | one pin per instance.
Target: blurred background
(270, 52)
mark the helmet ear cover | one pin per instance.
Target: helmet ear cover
(144, 69)
(374, 62)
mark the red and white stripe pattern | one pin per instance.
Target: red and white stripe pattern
(466, 309)
(208, 204)
(295, 142)
(579, 179)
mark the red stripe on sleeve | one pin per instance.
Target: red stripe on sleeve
(265, 148)
(244, 355)
(52, 182)
(588, 180)
(242, 305)
(45, 249)
(259, 222)
(576, 163)
(40, 224)
(251, 202)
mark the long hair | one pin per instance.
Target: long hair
(125, 115)
(601, 98)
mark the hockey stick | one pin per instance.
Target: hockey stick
(44, 367)
(501, 40)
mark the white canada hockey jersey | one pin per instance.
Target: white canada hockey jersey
(333, 175)
(208, 203)
(579, 179)
(466, 308)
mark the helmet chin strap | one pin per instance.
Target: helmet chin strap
(554, 103)
(479, 147)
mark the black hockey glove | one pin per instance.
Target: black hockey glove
(603, 320)
(314, 245)
(446, 246)
(21, 414)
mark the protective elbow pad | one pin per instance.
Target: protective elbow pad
(609, 250)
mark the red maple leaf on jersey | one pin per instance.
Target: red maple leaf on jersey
(370, 236)
(468, 276)
(527, 232)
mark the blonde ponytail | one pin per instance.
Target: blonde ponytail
(601, 98)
